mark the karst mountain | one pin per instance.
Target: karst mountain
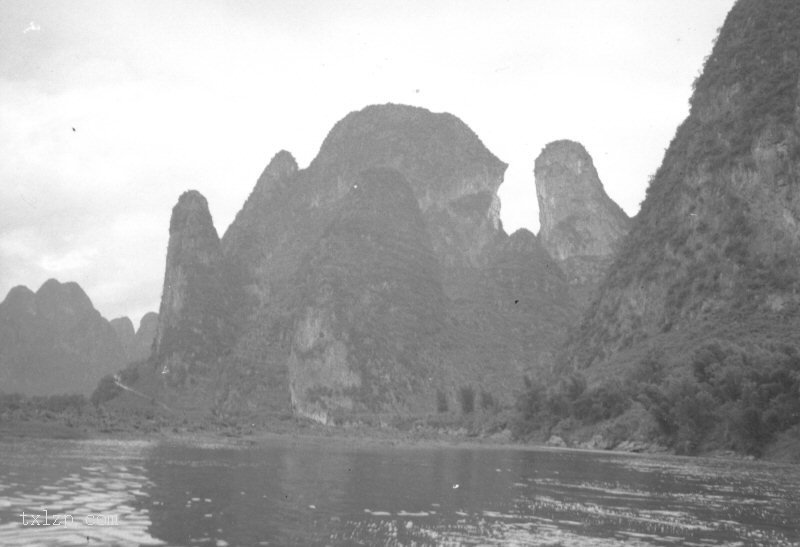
(378, 280)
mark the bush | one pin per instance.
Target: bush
(487, 401)
(467, 399)
(441, 401)
(601, 403)
(11, 401)
(106, 390)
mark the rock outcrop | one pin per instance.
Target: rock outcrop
(54, 341)
(136, 345)
(454, 177)
(533, 298)
(194, 318)
(692, 340)
(715, 247)
(370, 302)
(145, 336)
(379, 279)
(580, 226)
(126, 334)
(453, 180)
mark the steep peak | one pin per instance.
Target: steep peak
(123, 328)
(191, 215)
(281, 168)
(20, 293)
(148, 322)
(565, 152)
(275, 178)
(522, 234)
(20, 299)
(440, 156)
(194, 305)
(122, 325)
(282, 164)
(192, 196)
(54, 293)
(51, 286)
(576, 216)
(522, 240)
(524, 245)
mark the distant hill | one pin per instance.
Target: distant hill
(54, 341)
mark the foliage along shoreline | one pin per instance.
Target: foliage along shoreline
(74, 417)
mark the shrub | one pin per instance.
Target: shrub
(441, 401)
(601, 403)
(467, 399)
(11, 401)
(106, 390)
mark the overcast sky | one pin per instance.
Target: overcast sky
(109, 110)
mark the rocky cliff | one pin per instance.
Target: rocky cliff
(717, 233)
(194, 318)
(580, 226)
(136, 344)
(370, 302)
(452, 180)
(54, 341)
(702, 300)
(377, 280)
(145, 336)
(126, 335)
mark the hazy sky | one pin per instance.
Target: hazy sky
(109, 110)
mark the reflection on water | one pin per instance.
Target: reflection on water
(321, 492)
(91, 484)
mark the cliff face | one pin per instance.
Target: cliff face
(716, 241)
(123, 327)
(194, 319)
(533, 298)
(54, 341)
(370, 301)
(378, 279)
(145, 336)
(251, 241)
(453, 176)
(136, 345)
(580, 226)
(452, 180)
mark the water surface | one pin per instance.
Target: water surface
(322, 492)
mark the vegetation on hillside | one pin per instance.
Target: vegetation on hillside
(730, 396)
(745, 97)
(710, 272)
(15, 404)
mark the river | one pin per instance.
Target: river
(284, 491)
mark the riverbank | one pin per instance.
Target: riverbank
(73, 417)
(101, 424)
